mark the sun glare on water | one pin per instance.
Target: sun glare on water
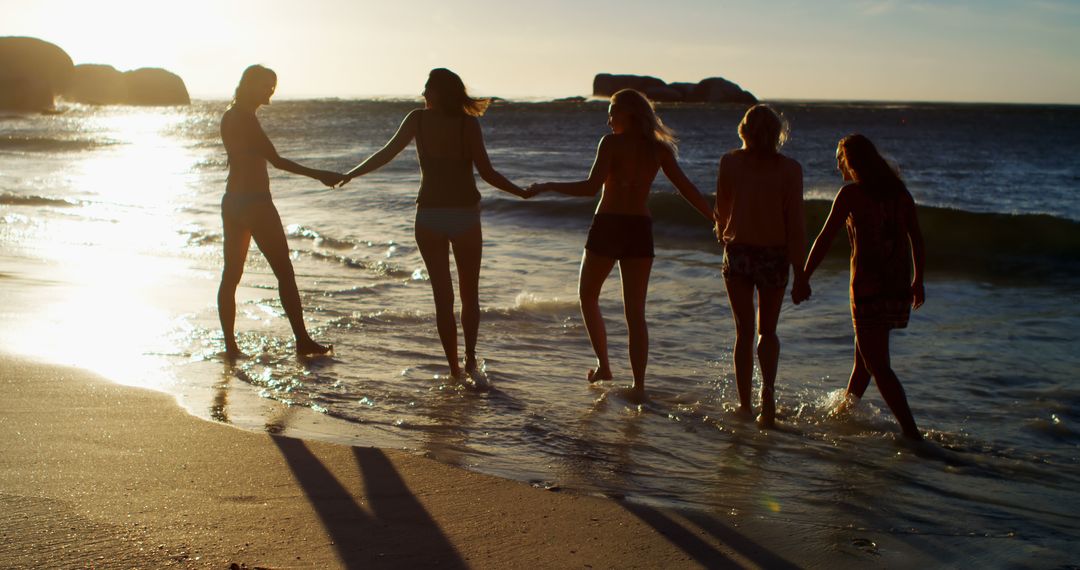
(110, 271)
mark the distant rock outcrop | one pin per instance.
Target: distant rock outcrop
(32, 73)
(97, 84)
(155, 86)
(711, 90)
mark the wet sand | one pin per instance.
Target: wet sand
(94, 474)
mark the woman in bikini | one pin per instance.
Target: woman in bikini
(886, 244)
(759, 220)
(247, 210)
(626, 163)
(449, 143)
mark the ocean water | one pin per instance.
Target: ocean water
(110, 244)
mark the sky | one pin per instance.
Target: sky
(891, 50)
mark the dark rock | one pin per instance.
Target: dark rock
(574, 99)
(97, 85)
(720, 90)
(665, 94)
(685, 89)
(606, 84)
(32, 73)
(711, 90)
(155, 86)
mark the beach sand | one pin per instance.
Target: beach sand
(96, 474)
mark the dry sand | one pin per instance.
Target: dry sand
(93, 474)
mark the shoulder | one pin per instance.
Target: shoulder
(789, 164)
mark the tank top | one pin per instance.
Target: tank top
(445, 181)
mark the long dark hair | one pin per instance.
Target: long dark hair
(447, 91)
(867, 166)
(252, 74)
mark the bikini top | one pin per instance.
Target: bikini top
(445, 181)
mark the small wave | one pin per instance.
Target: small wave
(380, 268)
(43, 144)
(527, 303)
(298, 231)
(17, 200)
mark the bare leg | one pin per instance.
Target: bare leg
(468, 251)
(634, 274)
(874, 347)
(271, 241)
(594, 271)
(857, 383)
(435, 249)
(741, 298)
(768, 350)
(237, 240)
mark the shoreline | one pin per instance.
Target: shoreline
(100, 473)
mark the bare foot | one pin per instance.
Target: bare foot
(598, 374)
(309, 347)
(745, 413)
(845, 407)
(470, 363)
(637, 393)
(767, 418)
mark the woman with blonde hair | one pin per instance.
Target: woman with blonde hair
(759, 220)
(626, 163)
(449, 144)
(247, 210)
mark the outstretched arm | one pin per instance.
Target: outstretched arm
(795, 229)
(401, 139)
(724, 198)
(677, 177)
(918, 257)
(837, 215)
(591, 185)
(483, 164)
(266, 149)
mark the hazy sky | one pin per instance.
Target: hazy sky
(960, 50)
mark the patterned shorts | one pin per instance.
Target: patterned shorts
(880, 312)
(765, 267)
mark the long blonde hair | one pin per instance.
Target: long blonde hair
(643, 114)
(763, 129)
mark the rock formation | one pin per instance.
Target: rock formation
(32, 73)
(98, 85)
(155, 86)
(711, 90)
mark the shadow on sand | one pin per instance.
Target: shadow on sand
(392, 529)
(687, 538)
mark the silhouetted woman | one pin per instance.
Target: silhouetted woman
(759, 220)
(449, 143)
(248, 212)
(886, 243)
(626, 163)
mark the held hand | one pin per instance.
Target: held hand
(344, 180)
(800, 291)
(328, 178)
(918, 294)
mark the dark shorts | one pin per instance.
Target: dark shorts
(765, 267)
(246, 209)
(621, 236)
(880, 312)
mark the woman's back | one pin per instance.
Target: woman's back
(635, 160)
(877, 227)
(764, 191)
(446, 166)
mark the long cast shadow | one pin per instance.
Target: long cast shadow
(700, 550)
(361, 540)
